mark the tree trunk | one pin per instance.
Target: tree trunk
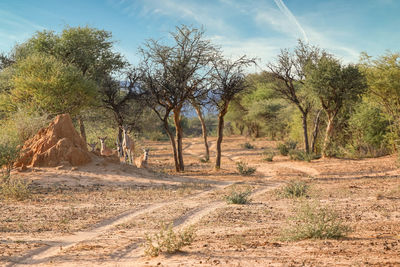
(119, 142)
(82, 128)
(328, 134)
(220, 136)
(315, 132)
(179, 135)
(173, 144)
(306, 146)
(203, 129)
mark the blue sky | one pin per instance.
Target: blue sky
(257, 28)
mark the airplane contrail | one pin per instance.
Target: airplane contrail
(283, 8)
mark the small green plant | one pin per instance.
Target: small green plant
(9, 153)
(313, 221)
(166, 240)
(294, 189)
(286, 147)
(283, 149)
(268, 156)
(302, 155)
(247, 145)
(204, 160)
(14, 188)
(244, 169)
(236, 197)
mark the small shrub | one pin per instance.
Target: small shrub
(286, 147)
(312, 221)
(13, 188)
(283, 149)
(205, 160)
(166, 240)
(9, 153)
(247, 145)
(238, 197)
(302, 155)
(268, 156)
(245, 170)
(294, 189)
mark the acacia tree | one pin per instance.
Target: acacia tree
(228, 80)
(175, 72)
(290, 73)
(155, 84)
(198, 103)
(38, 81)
(335, 85)
(88, 49)
(122, 96)
(383, 76)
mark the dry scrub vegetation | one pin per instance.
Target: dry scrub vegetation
(288, 213)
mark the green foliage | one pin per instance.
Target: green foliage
(14, 189)
(294, 189)
(25, 125)
(296, 154)
(258, 110)
(268, 155)
(166, 240)
(369, 129)
(237, 197)
(90, 50)
(312, 221)
(247, 145)
(383, 78)
(244, 169)
(9, 151)
(286, 147)
(43, 83)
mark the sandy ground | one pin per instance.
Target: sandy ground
(99, 214)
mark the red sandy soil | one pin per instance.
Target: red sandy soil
(98, 214)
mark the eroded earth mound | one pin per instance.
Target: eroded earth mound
(55, 145)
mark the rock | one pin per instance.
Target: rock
(56, 144)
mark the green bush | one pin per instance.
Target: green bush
(13, 188)
(247, 145)
(286, 147)
(312, 221)
(294, 189)
(9, 153)
(301, 155)
(166, 240)
(283, 149)
(236, 197)
(27, 125)
(245, 170)
(268, 156)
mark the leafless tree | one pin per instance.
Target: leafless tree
(289, 71)
(123, 97)
(173, 73)
(228, 80)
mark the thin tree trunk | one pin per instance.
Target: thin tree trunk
(179, 135)
(306, 145)
(220, 136)
(315, 132)
(173, 144)
(203, 129)
(82, 128)
(119, 142)
(328, 134)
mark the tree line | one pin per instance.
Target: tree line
(78, 71)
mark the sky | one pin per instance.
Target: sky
(256, 28)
